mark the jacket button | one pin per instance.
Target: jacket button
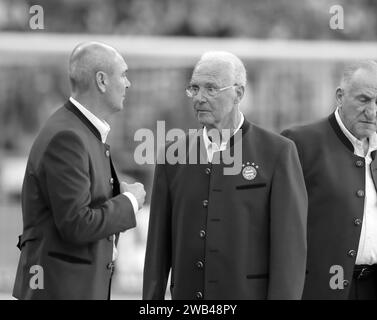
(359, 163)
(202, 234)
(111, 180)
(360, 193)
(199, 295)
(352, 253)
(110, 266)
(205, 203)
(200, 264)
(346, 283)
(110, 238)
(357, 222)
(107, 153)
(208, 170)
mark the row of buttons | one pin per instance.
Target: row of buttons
(360, 193)
(357, 222)
(202, 235)
(107, 154)
(110, 266)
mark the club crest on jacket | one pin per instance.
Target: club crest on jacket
(249, 171)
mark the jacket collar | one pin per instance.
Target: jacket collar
(335, 126)
(71, 107)
(244, 128)
(201, 150)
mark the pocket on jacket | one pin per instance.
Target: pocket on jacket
(68, 258)
(257, 276)
(26, 237)
(251, 186)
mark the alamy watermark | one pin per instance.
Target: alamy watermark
(174, 147)
(37, 280)
(337, 280)
(337, 19)
(36, 21)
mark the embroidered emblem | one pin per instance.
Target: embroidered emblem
(249, 172)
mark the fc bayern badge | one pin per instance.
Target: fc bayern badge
(249, 172)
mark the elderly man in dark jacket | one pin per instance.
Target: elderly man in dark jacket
(227, 236)
(339, 164)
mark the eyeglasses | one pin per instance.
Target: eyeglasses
(192, 91)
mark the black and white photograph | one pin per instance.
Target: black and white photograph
(201, 151)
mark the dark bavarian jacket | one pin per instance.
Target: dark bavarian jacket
(335, 181)
(224, 236)
(71, 209)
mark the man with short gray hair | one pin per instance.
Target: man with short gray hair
(340, 169)
(73, 205)
(227, 236)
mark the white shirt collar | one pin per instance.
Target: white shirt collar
(213, 147)
(101, 125)
(357, 144)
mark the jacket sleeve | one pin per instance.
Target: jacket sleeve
(288, 224)
(294, 136)
(66, 171)
(158, 253)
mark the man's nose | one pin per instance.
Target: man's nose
(371, 110)
(199, 97)
(128, 83)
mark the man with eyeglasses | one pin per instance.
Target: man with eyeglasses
(338, 156)
(240, 236)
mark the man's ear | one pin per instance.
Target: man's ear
(240, 91)
(339, 94)
(101, 81)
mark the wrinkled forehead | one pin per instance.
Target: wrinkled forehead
(364, 81)
(212, 72)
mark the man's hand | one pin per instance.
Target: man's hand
(137, 189)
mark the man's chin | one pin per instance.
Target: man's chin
(204, 119)
(119, 107)
(366, 133)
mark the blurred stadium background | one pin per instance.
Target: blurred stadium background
(293, 59)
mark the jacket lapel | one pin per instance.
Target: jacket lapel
(71, 107)
(335, 126)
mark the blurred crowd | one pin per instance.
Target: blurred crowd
(288, 19)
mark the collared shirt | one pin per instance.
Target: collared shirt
(103, 127)
(212, 147)
(367, 251)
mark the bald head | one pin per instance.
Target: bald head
(86, 60)
(351, 71)
(228, 60)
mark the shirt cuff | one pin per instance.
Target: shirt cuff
(133, 200)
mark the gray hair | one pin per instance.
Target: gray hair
(352, 68)
(86, 60)
(236, 65)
